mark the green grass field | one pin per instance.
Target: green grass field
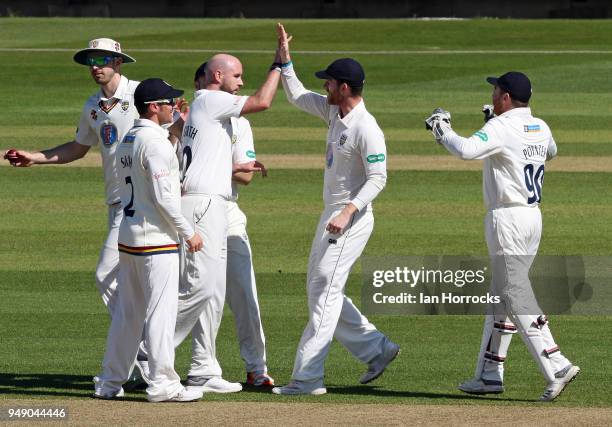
(52, 220)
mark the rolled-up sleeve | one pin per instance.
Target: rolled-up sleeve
(222, 105)
(85, 135)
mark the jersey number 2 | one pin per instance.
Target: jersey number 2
(186, 160)
(127, 210)
(534, 182)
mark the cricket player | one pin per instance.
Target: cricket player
(207, 178)
(514, 146)
(105, 119)
(355, 173)
(241, 290)
(148, 244)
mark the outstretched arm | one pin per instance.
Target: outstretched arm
(297, 94)
(262, 99)
(64, 153)
(482, 144)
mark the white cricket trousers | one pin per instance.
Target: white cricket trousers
(331, 313)
(149, 289)
(202, 278)
(241, 296)
(108, 262)
(513, 237)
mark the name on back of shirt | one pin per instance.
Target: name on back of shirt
(534, 152)
(190, 132)
(126, 161)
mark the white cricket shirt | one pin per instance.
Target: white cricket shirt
(243, 151)
(106, 121)
(356, 156)
(243, 148)
(150, 192)
(514, 146)
(207, 143)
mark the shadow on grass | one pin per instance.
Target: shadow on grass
(49, 385)
(380, 392)
(81, 386)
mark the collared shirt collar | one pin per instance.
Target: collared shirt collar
(199, 92)
(150, 124)
(353, 114)
(520, 111)
(123, 82)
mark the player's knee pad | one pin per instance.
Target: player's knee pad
(531, 327)
(551, 347)
(501, 335)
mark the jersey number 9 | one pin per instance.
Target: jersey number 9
(534, 182)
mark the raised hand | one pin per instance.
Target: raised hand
(283, 43)
(182, 106)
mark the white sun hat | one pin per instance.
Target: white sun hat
(102, 45)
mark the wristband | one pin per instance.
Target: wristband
(276, 66)
(285, 65)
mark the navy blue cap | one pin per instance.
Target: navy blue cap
(515, 83)
(200, 71)
(345, 70)
(153, 90)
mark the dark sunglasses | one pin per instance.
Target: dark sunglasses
(100, 61)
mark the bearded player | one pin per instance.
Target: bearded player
(355, 174)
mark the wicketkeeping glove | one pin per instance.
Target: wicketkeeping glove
(438, 123)
(487, 110)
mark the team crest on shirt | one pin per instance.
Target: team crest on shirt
(94, 115)
(329, 156)
(342, 140)
(108, 134)
(125, 105)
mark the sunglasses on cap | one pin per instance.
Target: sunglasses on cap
(100, 61)
(170, 102)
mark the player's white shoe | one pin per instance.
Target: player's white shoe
(562, 379)
(99, 394)
(378, 365)
(185, 394)
(295, 387)
(213, 385)
(480, 386)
